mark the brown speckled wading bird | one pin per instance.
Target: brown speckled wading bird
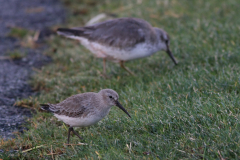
(84, 109)
(121, 40)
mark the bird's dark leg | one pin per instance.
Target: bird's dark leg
(76, 134)
(69, 131)
(122, 65)
(72, 130)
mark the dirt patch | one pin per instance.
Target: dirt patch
(15, 74)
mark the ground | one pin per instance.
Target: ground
(188, 111)
(17, 61)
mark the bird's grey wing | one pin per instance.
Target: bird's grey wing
(118, 33)
(121, 33)
(74, 106)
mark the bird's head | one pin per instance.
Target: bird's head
(111, 99)
(164, 42)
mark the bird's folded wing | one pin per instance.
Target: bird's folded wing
(74, 106)
(121, 33)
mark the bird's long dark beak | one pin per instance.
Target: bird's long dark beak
(122, 108)
(171, 55)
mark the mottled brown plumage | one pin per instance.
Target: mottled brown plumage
(85, 109)
(79, 105)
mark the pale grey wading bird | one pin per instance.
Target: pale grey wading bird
(84, 109)
(121, 40)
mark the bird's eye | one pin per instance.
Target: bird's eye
(110, 96)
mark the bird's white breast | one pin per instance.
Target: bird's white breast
(88, 120)
(116, 54)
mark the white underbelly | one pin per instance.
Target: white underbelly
(117, 54)
(79, 121)
(88, 120)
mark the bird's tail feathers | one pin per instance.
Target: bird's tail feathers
(46, 107)
(70, 33)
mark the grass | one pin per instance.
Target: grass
(188, 111)
(16, 55)
(18, 32)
